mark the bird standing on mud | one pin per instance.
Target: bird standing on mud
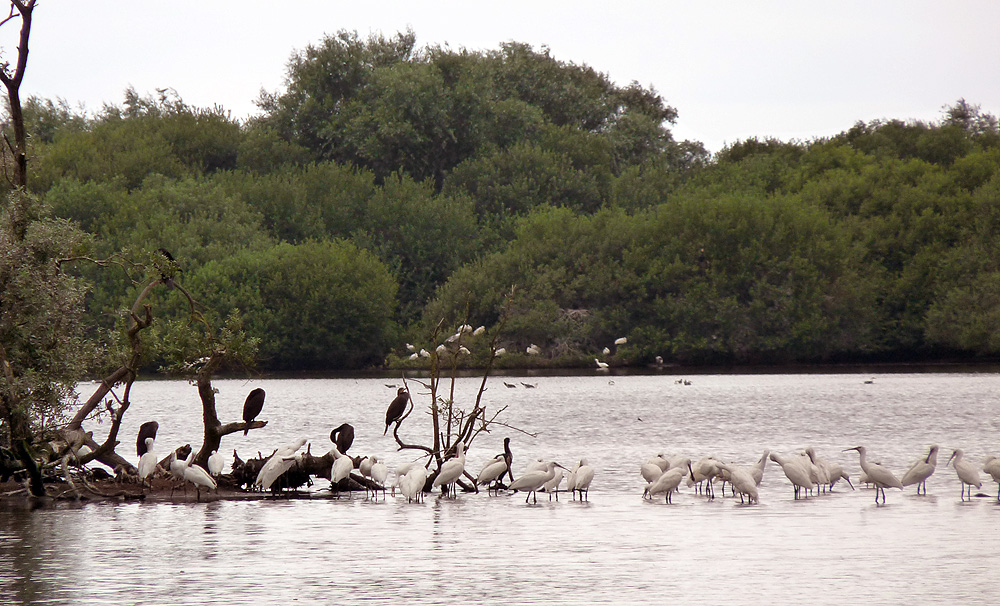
(252, 407)
(396, 408)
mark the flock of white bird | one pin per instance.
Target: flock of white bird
(805, 471)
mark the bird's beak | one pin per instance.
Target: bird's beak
(852, 448)
(949, 459)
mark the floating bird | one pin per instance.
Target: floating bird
(528, 385)
(215, 463)
(343, 437)
(277, 464)
(396, 409)
(921, 470)
(601, 365)
(796, 472)
(451, 470)
(666, 483)
(966, 471)
(491, 473)
(146, 430)
(252, 407)
(992, 467)
(147, 462)
(532, 480)
(198, 476)
(881, 477)
(509, 385)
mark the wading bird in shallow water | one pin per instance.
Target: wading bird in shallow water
(531, 481)
(451, 470)
(881, 477)
(966, 471)
(252, 407)
(992, 467)
(921, 470)
(491, 473)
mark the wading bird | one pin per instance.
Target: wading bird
(921, 470)
(491, 473)
(396, 409)
(742, 481)
(796, 472)
(665, 484)
(451, 470)
(582, 479)
(252, 407)
(198, 476)
(966, 471)
(992, 467)
(881, 477)
(531, 481)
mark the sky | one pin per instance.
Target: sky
(733, 70)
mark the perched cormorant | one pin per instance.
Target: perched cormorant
(396, 408)
(146, 430)
(343, 437)
(252, 407)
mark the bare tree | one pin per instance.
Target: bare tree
(11, 78)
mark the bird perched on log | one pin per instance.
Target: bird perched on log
(146, 430)
(252, 407)
(343, 437)
(396, 408)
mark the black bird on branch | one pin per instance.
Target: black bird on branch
(252, 407)
(343, 437)
(167, 273)
(396, 408)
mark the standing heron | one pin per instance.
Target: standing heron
(881, 477)
(921, 470)
(146, 430)
(531, 481)
(396, 409)
(252, 407)
(966, 471)
(343, 437)
(491, 473)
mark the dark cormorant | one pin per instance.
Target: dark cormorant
(396, 408)
(146, 430)
(252, 407)
(343, 437)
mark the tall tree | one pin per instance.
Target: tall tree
(12, 82)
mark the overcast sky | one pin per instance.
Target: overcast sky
(791, 70)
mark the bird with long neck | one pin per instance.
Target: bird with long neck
(881, 477)
(966, 471)
(921, 470)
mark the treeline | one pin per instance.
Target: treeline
(391, 187)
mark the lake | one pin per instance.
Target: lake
(615, 548)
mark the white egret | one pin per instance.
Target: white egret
(665, 484)
(757, 471)
(601, 365)
(379, 474)
(650, 471)
(147, 462)
(881, 477)
(451, 470)
(531, 481)
(341, 468)
(992, 467)
(552, 486)
(742, 481)
(796, 472)
(412, 484)
(215, 463)
(966, 471)
(277, 464)
(921, 470)
(584, 476)
(197, 475)
(491, 472)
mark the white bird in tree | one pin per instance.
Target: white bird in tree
(966, 471)
(881, 477)
(921, 470)
(621, 341)
(451, 470)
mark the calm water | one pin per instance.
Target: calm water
(617, 548)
